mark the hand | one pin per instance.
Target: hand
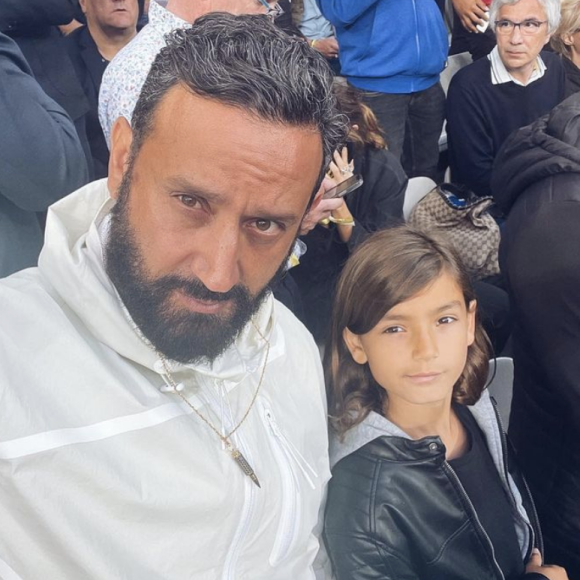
(340, 168)
(551, 572)
(470, 12)
(68, 28)
(320, 208)
(328, 47)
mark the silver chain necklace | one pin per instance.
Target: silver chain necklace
(234, 452)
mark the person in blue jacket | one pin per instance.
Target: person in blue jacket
(394, 52)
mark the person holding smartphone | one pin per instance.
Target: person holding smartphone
(374, 205)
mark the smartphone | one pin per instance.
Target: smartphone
(347, 186)
(483, 27)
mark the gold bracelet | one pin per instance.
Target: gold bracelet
(313, 42)
(349, 221)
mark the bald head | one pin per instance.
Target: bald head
(190, 10)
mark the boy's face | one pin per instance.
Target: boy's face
(418, 350)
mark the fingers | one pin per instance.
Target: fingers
(327, 46)
(471, 13)
(340, 168)
(335, 174)
(470, 21)
(320, 209)
(332, 204)
(535, 558)
(551, 572)
(338, 157)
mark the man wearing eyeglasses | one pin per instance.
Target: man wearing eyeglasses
(512, 87)
(125, 75)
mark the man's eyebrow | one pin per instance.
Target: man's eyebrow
(443, 308)
(181, 185)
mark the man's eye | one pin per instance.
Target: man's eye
(504, 24)
(266, 226)
(188, 200)
(531, 24)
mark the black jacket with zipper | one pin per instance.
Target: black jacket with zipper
(397, 511)
(536, 182)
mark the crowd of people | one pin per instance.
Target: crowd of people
(223, 353)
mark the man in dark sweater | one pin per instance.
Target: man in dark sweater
(109, 27)
(515, 85)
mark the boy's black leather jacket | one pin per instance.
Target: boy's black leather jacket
(397, 511)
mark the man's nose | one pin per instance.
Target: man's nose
(217, 264)
(516, 35)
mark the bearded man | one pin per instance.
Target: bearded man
(163, 416)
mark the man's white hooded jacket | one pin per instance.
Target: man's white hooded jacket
(104, 475)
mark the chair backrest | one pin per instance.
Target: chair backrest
(454, 63)
(417, 189)
(501, 374)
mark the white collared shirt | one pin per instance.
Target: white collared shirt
(125, 75)
(500, 75)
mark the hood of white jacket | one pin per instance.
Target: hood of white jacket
(72, 262)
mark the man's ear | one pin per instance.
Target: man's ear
(355, 346)
(83, 6)
(121, 140)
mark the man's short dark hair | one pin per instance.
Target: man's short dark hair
(246, 62)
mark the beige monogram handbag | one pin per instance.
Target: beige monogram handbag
(463, 218)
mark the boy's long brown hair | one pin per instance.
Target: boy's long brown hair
(390, 267)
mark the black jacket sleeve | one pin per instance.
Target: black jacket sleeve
(41, 158)
(378, 203)
(359, 557)
(20, 16)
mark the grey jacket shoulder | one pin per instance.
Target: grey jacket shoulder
(41, 158)
(375, 426)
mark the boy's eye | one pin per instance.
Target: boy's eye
(393, 330)
(446, 320)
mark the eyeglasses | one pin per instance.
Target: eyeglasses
(272, 10)
(527, 27)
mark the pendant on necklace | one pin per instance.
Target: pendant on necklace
(243, 463)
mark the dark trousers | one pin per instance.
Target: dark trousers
(412, 124)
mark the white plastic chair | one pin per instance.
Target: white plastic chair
(501, 386)
(417, 189)
(454, 63)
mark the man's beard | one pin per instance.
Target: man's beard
(177, 333)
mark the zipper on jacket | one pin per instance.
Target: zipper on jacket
(287, 455)
(450, 471)
(233, 553)
(417, 42)
(534, 514)
(215, 402)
